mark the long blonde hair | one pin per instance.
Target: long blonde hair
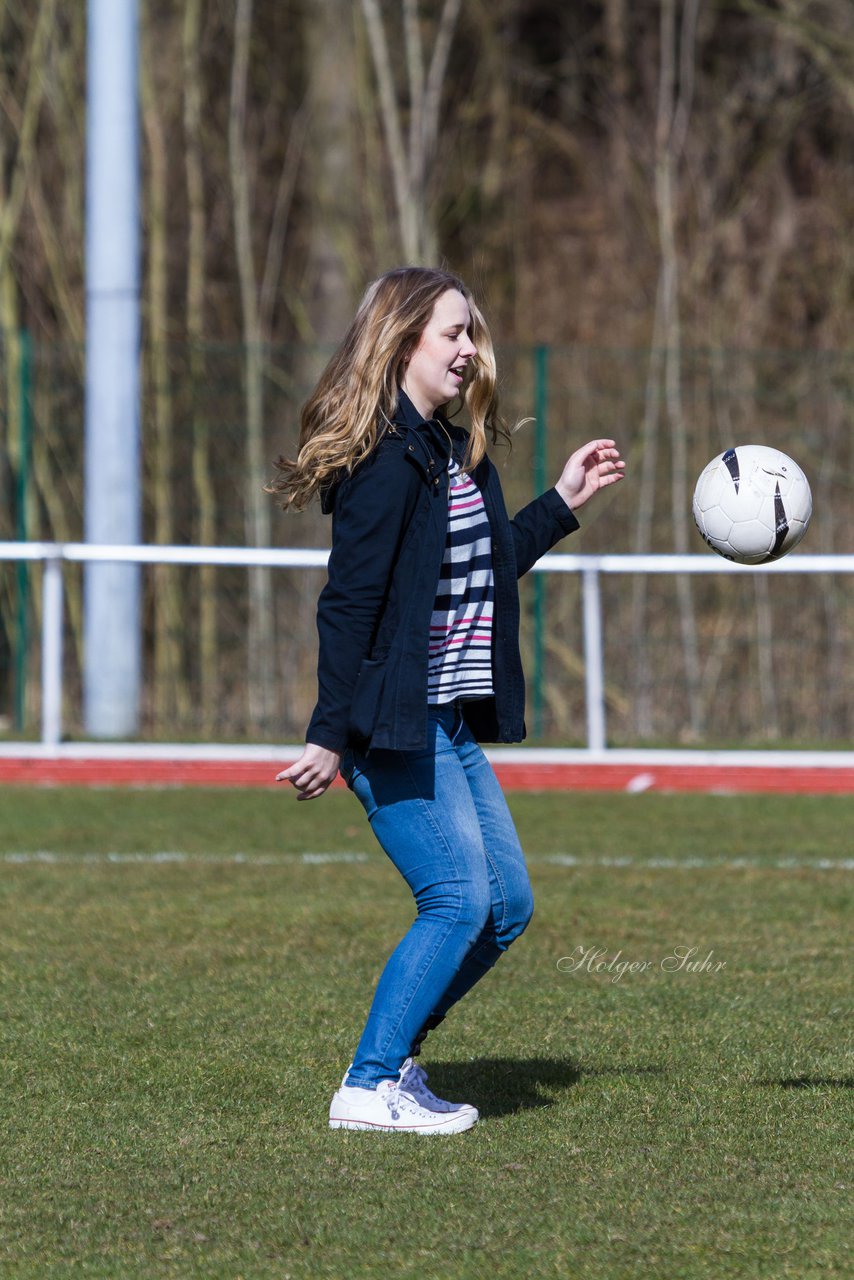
(353, 402)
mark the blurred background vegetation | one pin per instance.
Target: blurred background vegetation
(653, 204)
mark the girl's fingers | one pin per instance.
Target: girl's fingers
(306, 780)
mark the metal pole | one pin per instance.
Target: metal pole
(112, 485)
(52, 653)
(594, 679)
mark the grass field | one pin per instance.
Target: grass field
(184, 976)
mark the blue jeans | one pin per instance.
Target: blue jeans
(441, 817)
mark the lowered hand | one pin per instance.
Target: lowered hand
(315, 770)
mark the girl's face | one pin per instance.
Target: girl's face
(434, 371)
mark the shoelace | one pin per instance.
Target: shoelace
(392, 1100)
(416, 1083)
(398, 1102)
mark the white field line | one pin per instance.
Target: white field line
(47, 857)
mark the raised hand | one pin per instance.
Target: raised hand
(592, 467)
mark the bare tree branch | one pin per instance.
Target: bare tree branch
(281, 213)
(390, 115)
(411, 167)
(436, 75)
(12, 205)
(415, 72)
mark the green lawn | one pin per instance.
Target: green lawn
(172, 1031)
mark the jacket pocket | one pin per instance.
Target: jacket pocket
(366, 699)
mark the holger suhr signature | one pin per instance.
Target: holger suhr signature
(681, 959)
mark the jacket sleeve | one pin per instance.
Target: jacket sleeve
(538, 526)
(373, 509)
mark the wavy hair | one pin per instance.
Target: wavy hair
(353, 402)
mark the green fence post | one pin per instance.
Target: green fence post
(541, 405)
(23, 577)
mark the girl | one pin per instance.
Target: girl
(419, 655)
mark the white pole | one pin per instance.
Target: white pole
(52, 653)
(594, 679)
(112, 498)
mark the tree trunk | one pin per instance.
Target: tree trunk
(170, 698)
(14, 178)
(672, 123)
(204, 499)
(262, 696)
(618, 86)
(333, 274)
(644, 523)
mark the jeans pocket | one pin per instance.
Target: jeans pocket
(348, 768)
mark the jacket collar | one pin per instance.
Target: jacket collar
(430, 442)
(436, 436)
(406, 415)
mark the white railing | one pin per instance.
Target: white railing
(590, 567)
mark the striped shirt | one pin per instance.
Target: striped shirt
(460, 647)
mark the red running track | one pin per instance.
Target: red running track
(592, 776)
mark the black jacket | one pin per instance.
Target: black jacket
(389, 524)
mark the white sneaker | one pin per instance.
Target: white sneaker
(389, 1110)
(413, 1081)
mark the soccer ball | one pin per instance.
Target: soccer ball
(752, 504)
